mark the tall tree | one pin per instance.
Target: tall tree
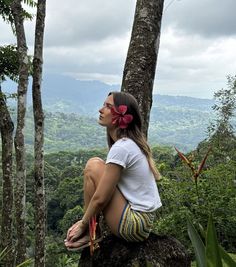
(40, 216)
(140, 65)
(6, 128)
(20, 181)
(222, 130)
(225, 107)
(9, 66)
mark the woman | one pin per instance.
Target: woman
(124, 186)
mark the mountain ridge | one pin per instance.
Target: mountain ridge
(85, 97)
(174, 120)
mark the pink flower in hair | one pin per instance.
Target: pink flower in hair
(119, 117)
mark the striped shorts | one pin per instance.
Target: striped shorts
(134, 225)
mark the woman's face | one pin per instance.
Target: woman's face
(105, 118)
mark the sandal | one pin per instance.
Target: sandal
(84, 244)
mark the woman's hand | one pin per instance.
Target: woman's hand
(76, 230)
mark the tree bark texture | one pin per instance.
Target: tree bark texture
(6, 128)
(20, 181)
(140, 65)
(40, 214)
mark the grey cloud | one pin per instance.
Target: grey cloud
(85, 61)
(209, 18)
(90, 38)
(84, 21)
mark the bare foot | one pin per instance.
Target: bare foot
(79, 243)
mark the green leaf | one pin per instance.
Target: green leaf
(202, 231)
(213, 256)
(25, 263)
(3, 253)
(226, 258)
(198, 245)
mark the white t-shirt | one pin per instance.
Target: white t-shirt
(137, 182)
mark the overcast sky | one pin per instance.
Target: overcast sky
(88, 40)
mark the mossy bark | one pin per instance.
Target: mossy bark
(140, 65)
(19, 140)
(6, 129)
(40, 212)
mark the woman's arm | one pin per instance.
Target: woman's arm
(104, 191)
(100, 199)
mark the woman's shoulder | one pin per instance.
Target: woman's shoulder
(124, 141)
(127, 144)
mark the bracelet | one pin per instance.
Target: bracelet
(84, 223)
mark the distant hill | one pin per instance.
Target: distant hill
(65, 94)
(175, 120)
(68, 95)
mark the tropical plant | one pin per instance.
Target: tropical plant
(211, 254)
(208, 253)
(195, 171)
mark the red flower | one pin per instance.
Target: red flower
(119, 117)
(92, 233)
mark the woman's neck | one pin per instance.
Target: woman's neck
(112, 133)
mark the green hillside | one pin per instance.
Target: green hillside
(71, 112)
(178, 126)
(175, 126)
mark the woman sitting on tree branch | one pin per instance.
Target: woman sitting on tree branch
(123, 188)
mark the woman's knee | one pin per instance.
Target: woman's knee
(94, 167)
(95, 159)
(94, 162)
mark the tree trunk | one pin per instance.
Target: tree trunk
(6, 128)
(140, 66)
(20, 181)
(40, 215)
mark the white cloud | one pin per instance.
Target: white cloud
(105, 57)
(209, 18)
(88, 39)
(107, 78)
(193, 65)
(87, 20)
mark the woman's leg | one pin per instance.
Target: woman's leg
(93, 172)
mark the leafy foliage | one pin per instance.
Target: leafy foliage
(225, 108)
(57, 255)
(222, 131)
(6, 12)
(71, 216)
(210, 254)
(9, 62)
(70, 192)
(216, 189)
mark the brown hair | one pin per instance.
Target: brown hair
(134, 129)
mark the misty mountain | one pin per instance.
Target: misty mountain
(175, 120)
(68, 95)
